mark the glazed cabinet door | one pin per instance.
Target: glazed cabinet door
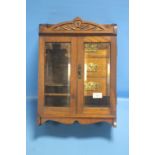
(96, 84)
(57, 76)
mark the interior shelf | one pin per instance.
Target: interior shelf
(96, 76)
(96, 56)
(56, 84)
(57, 94)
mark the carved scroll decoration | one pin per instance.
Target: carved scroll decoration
(78, 25)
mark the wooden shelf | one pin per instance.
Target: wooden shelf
(96, 56)
(96, 77)
(56, 85)
(57, 94)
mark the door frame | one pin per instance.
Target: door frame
(81, 109)
(43, 110)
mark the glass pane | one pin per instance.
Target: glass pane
(57, 74)
(97, 74)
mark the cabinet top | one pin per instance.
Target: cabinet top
(78, 26)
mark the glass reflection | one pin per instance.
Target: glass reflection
(97, 74)
(57, 74)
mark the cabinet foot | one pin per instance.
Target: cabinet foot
(114, 124)
(39, 120)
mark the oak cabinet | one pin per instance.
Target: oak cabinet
(77, 72)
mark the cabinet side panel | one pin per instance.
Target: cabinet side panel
(113, 93)
(41, 76)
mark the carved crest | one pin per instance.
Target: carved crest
(76, 25)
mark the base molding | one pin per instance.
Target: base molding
(42, 120)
